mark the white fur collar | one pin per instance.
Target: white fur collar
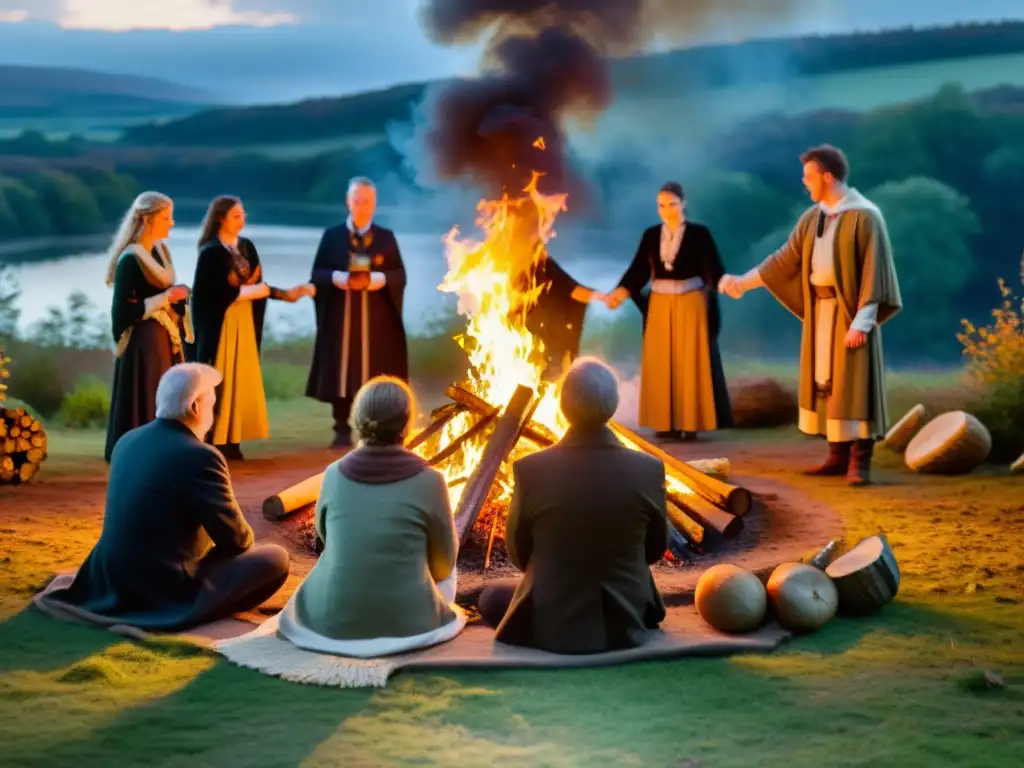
(161, 277)
(851, 201)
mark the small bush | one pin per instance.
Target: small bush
(36, 380)
(995, 367)
(86, 405)
(762, 403)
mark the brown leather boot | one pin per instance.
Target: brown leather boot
(859, 472)
(837, 463)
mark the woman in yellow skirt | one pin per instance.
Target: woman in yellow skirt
(682, 382)
(229, 302)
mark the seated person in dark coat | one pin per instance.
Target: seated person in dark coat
(588, 517)
(175, 550)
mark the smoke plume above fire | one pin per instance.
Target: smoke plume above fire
(546, 61)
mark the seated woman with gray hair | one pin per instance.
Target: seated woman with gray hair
(386, 580)
(587, 519)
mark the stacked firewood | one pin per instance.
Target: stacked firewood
(22, 438)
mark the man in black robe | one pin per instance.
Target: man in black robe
(360, 286)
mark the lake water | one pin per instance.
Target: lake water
(287, 254)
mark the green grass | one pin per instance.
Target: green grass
(900, 688)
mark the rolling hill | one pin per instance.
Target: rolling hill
(81, 100)
(788, 74)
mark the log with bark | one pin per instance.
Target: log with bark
(500, 444)
(732, 498)
(23, 446)
(706, 514)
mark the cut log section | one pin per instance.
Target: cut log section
(298, 497)
(732, 498)
(684, 525)
(712, 467)
(23, 446)
(1018, 465)
(706, 514)
(506, 434)
(954, 443)
(899, 437)
(867, 577)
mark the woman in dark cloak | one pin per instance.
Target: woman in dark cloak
(229, 304)
(147, 313)
(682, 382)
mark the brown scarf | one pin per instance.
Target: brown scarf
(381, 464)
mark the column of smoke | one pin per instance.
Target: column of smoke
(546, 61)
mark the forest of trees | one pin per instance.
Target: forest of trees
(948, 172)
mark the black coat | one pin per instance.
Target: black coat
(698, 256)
(169, 505)
(388, 346)
(588, 517)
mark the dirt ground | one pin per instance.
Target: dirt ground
(63, 515)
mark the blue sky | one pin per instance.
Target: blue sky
(271, 50)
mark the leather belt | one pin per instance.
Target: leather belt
(824, 292)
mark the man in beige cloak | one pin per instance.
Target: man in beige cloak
(837, 275)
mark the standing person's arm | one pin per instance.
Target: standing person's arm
(324, 276)
(126, 309)
(636, 276)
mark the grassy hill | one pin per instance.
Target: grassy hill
(722, 83)
(63, 100)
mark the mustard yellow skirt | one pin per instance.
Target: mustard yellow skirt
(242, 403)
(676, 390)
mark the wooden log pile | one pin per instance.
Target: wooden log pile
(22, 438)
(701, 507)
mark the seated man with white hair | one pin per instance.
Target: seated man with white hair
(175, 550)
(587, 519)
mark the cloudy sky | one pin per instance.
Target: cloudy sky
(269, 50)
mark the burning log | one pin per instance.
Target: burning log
(734, 499)
(535, 433)
(504, 438)
(707, 515)
(23, 445)
(439, 418)
(685, 526)
(462, 439)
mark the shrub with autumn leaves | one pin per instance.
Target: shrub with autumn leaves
(995, 367)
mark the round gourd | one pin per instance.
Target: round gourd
(803, 597)
(730, 598)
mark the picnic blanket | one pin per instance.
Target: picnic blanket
(250, 640)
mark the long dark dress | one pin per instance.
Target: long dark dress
(148, 354)
(698, 256)
(219, 278)
(220, 274)
(349, 351)
(557, 318)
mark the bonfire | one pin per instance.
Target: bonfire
(506, 406)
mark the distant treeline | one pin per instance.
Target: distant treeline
(947, 171)
(368, 113)
(50, 202)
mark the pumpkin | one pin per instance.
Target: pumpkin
(803, 597)
(731, 598)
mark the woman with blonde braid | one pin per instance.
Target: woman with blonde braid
(147, 310)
